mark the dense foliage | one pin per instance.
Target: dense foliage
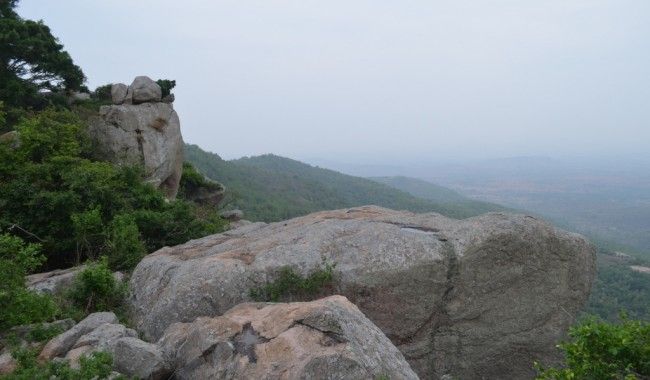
(20, 306)
(95, 366)
(77, 208)
(96, 289)
(272, 188)
(604, 351)
(31, 60)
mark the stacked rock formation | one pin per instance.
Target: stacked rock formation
(139, 128)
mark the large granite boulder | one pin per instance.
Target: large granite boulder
(482, 297)
(144, 89)
(329, 338)
(147, 134)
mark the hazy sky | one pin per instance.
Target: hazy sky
(380, 80)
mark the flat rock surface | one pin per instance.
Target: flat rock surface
(479, 298)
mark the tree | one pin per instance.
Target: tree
(32, 60)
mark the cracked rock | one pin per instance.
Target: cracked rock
(287, 340)
(482, 297)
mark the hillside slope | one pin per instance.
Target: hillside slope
(440, 195)
(271, 188)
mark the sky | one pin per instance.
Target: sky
(380, 81)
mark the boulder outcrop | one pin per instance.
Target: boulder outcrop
(139, 129)
(479, 298)
(328, 338)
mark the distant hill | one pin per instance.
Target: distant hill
(440, 195)
(272, 188)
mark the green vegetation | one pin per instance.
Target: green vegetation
(603, 351)
(19, 305)
(166, 86)
(32, 60)
(290, 286)
(54, 193)
(97, 365)
(95, 289)
(271, 188)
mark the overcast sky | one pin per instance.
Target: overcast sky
(380, 80)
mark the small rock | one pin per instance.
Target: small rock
(145, 90)
(61, 344)
(7, 363)
(134, 357)
(52, 282)
(118, 92)
(12, 138)
(232, 215)
(169, 98)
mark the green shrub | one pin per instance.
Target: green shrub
(19, 305)
(290, 285)
(603, 351)
(103, 92)
(95, 289)
(50, 187)
(97, 365)
(166, 86)
(126, 249)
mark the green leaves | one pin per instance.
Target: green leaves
(602, 351)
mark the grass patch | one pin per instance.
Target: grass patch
(291, 286)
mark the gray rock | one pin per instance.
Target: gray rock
(302, 340)
(11, 138)
(232, 215)
(168, 98)
(118, 93)
(482, 297)
(52, 282)
(133, 357)
(61, 344)
(7, 363)
(105, 336)
(144, 89)
(148, 134)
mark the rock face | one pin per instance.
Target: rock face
(480, 298)
(302, 340)
(145, 133)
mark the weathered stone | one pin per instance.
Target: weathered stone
(302, 340)
(144, 89)
(118, 93)
(7, 363)
(61, 344)
(482, 297)
(52, 282)
(139, 359)
(11, 138)
(148, 134)
(168, 98)
(232, 215)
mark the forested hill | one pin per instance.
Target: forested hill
(440, 195)
(272, 188)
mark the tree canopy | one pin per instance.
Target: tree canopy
(32, 61)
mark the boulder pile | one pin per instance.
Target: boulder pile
(141, 128)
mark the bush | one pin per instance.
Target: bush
(95, 289)
(97, 365)
(166, 86)
(603, 351)
(51, 188)
(290, 285)
(125, 250)
(19, 305)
